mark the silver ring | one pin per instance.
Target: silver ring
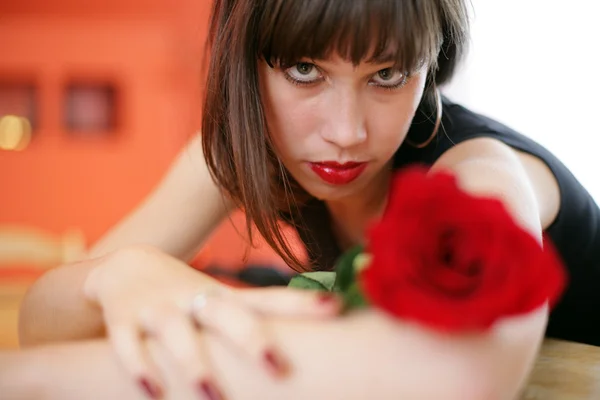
(201, 299)
(199, 302)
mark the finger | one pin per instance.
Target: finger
(126, 342)
(243, 328)
(176, 334)
(287, 302)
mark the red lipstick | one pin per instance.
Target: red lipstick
(338, 174)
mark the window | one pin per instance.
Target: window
(90, 108)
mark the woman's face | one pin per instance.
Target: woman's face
(335, 126)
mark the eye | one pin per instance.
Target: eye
(389, 78)
(303, 73)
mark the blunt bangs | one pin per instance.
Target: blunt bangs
(406, 33)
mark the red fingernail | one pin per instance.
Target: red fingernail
(209, 391)
(152, 390)
(276, 362)
(326, 298)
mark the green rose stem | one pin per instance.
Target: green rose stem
(343, 280)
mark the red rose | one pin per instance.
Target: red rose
(454, 261)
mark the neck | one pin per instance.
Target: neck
(351, 215)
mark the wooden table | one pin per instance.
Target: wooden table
(10, 300)
(563, 371)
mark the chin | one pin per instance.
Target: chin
(325, 192)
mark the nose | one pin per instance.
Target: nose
(345, 122)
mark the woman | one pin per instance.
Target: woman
(310, 106)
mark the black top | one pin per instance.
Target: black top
(575, 232)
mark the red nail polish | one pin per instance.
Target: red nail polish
(326, 298)
(209, 391)
(276, 362)
(152, 390)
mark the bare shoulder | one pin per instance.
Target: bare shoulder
(523, 168)
(178, 215)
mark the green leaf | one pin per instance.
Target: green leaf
(319, 280)
(353, 298)
(345, 268)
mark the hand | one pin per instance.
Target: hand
(144, 292)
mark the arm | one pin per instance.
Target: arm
(175, 218)
(530, 192)
(366, 355)
(336, 359)
(178, 216)
(524, 183)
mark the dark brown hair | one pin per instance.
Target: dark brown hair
(234, 131)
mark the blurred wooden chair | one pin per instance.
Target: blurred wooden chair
(29, 247)
(25, 254)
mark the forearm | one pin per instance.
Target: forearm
(55, 308)
(76, 370)
(363, 356)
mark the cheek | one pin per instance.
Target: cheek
(290, 119)
(389, 120)
(388, 123)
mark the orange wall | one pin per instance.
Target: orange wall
(62, 181)
(153, 56)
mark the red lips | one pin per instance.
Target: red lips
(338, 174)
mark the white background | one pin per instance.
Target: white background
(535, 66)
